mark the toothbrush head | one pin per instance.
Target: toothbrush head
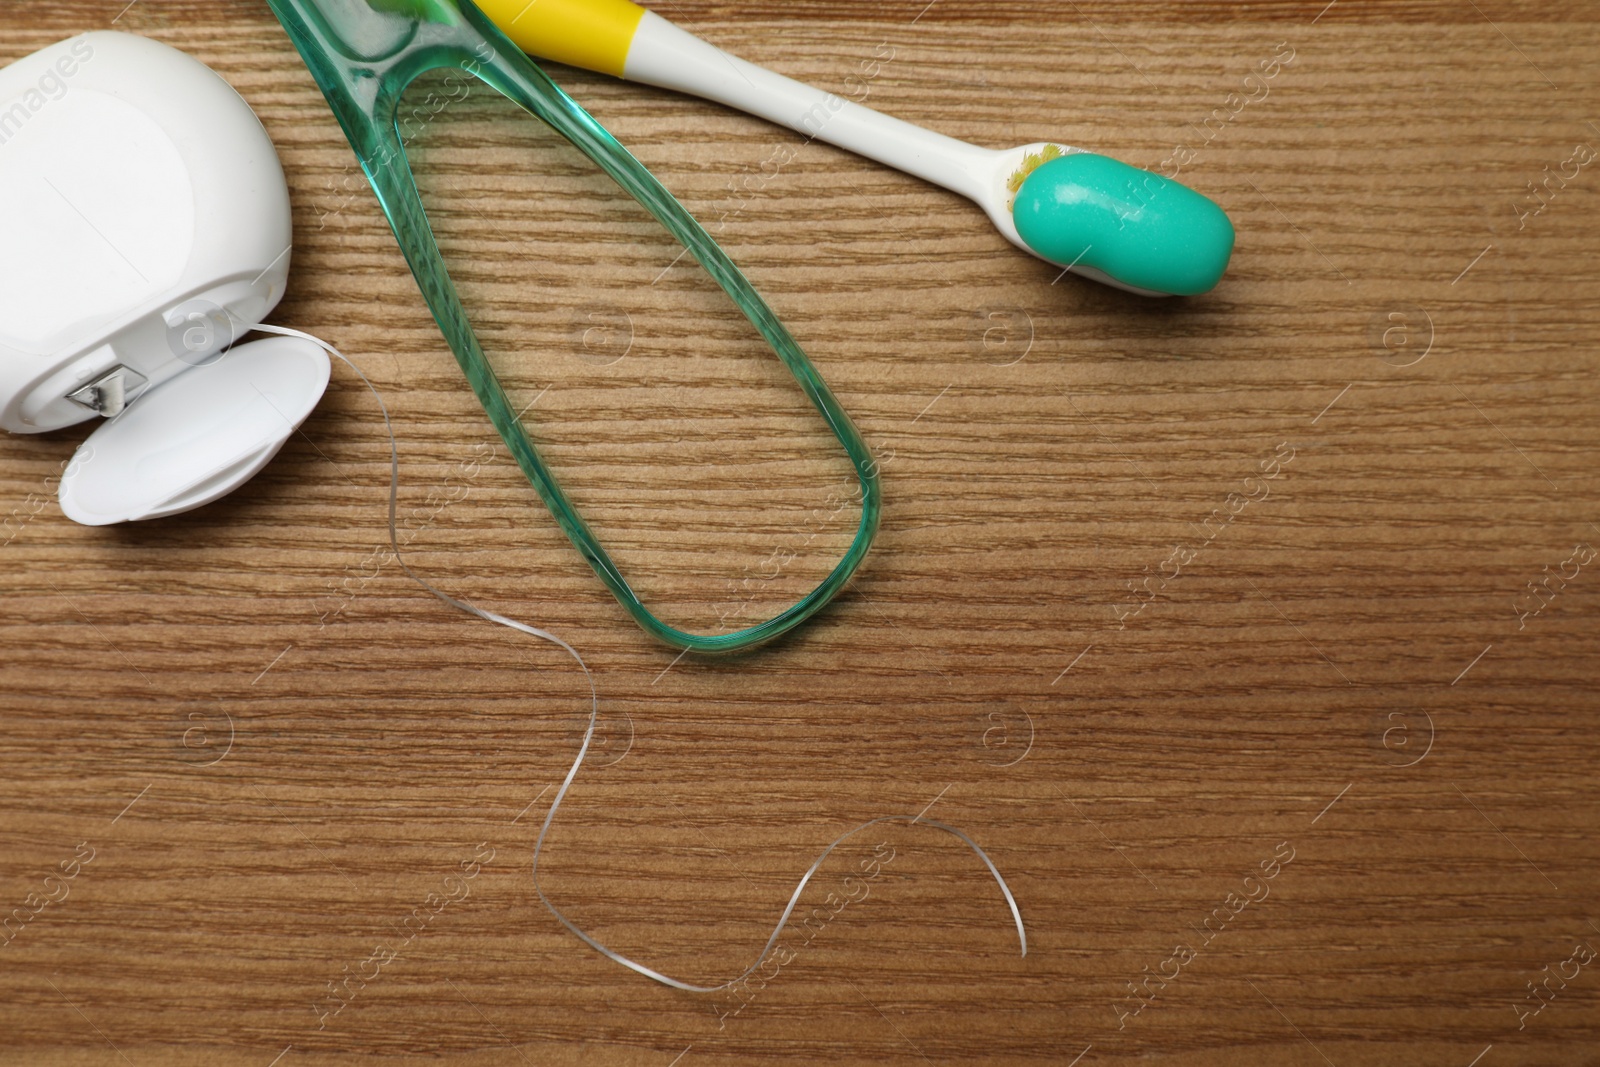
(444, 11)
(1139, 229)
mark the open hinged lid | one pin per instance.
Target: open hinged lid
(197, 437)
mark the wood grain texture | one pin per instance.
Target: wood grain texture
(279, 750)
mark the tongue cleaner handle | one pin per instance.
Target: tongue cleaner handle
(364, 57)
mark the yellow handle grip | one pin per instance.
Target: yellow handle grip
(592, 34)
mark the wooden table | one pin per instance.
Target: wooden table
(1213, 621)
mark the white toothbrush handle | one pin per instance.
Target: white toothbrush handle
(666, 56)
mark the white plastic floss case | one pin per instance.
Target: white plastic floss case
(144, 224)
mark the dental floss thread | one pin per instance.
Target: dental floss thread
(588, 734)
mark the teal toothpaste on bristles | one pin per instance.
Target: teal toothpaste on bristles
(1139, 229)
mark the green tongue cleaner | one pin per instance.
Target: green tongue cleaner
(364, 55)
(1140, 229)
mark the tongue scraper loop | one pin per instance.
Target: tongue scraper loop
(364, 56)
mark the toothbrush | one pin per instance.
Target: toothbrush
(1079, 210)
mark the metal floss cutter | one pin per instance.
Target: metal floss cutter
(144, 223)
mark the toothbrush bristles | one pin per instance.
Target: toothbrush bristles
(1030, 163)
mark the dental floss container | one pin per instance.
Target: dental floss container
(144, 224)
